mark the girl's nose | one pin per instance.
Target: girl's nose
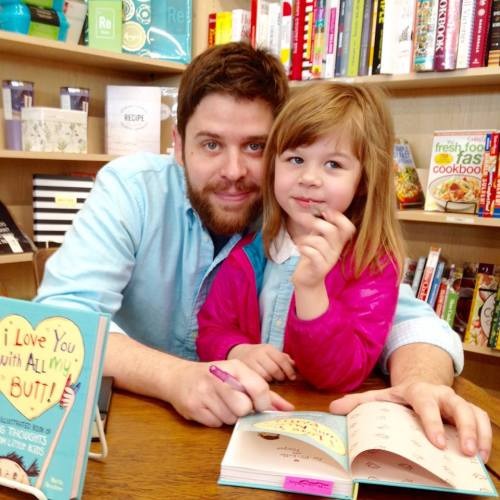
(310, 176)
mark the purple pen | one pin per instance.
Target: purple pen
(227, 378)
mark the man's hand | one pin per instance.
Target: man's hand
(270, 363)
(432, 403)
(198, 395)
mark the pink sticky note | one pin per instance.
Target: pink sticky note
(308, 485)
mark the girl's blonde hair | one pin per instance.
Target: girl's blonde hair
(359, 113)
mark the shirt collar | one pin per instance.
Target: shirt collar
(283, 247)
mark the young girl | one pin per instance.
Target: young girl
(322, 298)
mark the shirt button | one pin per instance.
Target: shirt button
(279, 322)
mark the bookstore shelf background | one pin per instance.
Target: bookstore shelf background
(420, 102)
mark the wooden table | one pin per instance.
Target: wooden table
(155, 454)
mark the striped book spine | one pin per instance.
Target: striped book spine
(465, 33)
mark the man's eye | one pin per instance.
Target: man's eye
(211, 145)
(256, 146)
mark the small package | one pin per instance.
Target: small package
(75, 12)
(16, 95)
(74, 98)
(54, 130)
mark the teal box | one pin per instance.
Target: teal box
(136, 24)
(31, 20)
(45, 4)
(169, 36)
(105, 25)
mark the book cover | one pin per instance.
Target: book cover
(346, 37)
(136, 19)
(439, 47)
(240, 25)
(409, 268)
(454, 182)
(56, 201)
(489, 175)
(495, 324)
(441, 297)
(435, 284)
(481, 311)
(286, 34)
(419, 271)
(465, 33)
(49, 380)
(358, 8)
(373, 34)
(448, 25)
(452, 295)
(212, 22)
(340, 38)
(408, 188)
(319, 39)
(378, 38)
(223, 27)
(425, 34)
(366, 35)
(331, 35)
(330, 455)
(133, 119)
(12, 238)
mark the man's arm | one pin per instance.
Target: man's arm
(187, 385)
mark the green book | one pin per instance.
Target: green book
(355, 43)
(105, 25)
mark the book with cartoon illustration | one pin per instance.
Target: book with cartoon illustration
(329, 455)
(50, 371)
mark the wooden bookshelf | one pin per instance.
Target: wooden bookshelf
(481, 350)
(418, 215)
(69, 157)
(16, 258)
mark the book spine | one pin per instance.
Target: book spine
(452, 31)
(253, 22)
(211, 28)
(430, 269)
(346, 39)
(484, 174)
(332, 17)
(402, 61)
(494, 46)
(308, 46)
(436, 282)
(340, 38)
(355, 41)
(240, 25)
(379, 37)
(425, 34)
(223, 27)
(319, 39)
(373, 30)
(465, 33)
(409, 266)
(480, 34)
(418, 274)
(365, 38)
(273, 28)
(492, 175)
(439, 47)
(389, 48)
(298, 39)
(441, 297)
(286, 34)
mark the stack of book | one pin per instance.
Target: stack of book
(466, 296)
(332, 38)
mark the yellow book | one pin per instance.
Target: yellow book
(355, 43)
(223, 27)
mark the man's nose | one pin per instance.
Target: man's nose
(234, 167)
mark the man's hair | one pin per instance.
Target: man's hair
(360, 114)
(235, 69)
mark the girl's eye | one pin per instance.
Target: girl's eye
(333, 164)
(295, 160)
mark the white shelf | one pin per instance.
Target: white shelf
(418, 215)
(33, 47)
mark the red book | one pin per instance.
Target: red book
(492, 176)
(480, 32)
(253, 22)
(303, 27)
(211, 28)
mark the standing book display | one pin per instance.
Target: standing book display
(50, 370)
(329, 455)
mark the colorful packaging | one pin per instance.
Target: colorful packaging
(136, 23)
(105, 25)
(75, 98)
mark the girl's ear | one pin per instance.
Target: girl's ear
(179, 157)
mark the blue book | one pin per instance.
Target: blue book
(50, 372)
(436, 282)
(332, 456)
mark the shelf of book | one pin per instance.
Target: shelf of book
(418, 215)
(28, 46)
(481, 350)
(33, 155)
(15, 258)
(473, 77)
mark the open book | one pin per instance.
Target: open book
(50, 371)
(329, 455)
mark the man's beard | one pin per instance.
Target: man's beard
(220, 219)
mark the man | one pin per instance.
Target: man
(152, 233)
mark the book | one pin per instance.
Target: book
(454, 182)
(452, 295)
(417, 277)
(480, 31)
(331, 35)
(408, 188)
(481, 312)
(435, 284)
(489, 175)
(467, 15)
(50, 372)
(56, 201)
(12, 238)
(331, 455)
(495, 324)
(425, 34)
(378, 38)
(428, 274)
(223, 27)
(494, 42)
(286, 34)
(409, 268)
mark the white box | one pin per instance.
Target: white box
(54, 130)
(133, 116)
(75, 12)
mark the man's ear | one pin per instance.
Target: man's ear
(178, 146)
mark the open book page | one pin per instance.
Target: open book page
(270, 446)
(387, 444)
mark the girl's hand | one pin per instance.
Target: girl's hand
(266, 360)
(320, 250)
